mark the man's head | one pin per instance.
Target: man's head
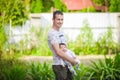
(63, 47)
(57, 13)
(57, 19)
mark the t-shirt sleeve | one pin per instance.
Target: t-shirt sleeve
(53, 39)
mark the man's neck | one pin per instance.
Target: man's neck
(57, 29)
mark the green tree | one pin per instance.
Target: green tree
(114, 6)
(14, 10)
(36, 6)
(47, 5)
(58, 4)
(99, 2)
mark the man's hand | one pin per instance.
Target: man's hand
(73, 62)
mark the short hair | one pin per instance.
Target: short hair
(57, 12)
(62, 44)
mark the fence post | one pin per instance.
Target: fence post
(118, 28)
(10, 33)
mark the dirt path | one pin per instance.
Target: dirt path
(86, 59)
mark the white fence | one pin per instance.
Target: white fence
(74, 21)
(72, 24)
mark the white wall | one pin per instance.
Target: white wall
(74, 21)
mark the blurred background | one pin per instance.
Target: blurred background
(92, 27)
(88, 24)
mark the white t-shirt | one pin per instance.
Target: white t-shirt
(55, 37)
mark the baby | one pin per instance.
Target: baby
(63, 47)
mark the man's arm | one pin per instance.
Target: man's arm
(72, 54)
(63, 55)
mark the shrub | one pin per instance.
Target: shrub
(105, 70)
(40, 71)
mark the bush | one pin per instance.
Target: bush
(14, 10)
(13, 69)
(40, 71)
(106, 70)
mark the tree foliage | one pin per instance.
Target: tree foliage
(58, 4)
(99, 2)
(17, 10)
(14, 10)
(114, 6)
(47, 5)
(36, 6)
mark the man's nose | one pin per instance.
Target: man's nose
(61, 21)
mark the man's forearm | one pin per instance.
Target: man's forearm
(66, 57)
(62, 54)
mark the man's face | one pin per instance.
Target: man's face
(58, 21)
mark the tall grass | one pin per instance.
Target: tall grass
(15, 72)
(84, 40)
(35, 43)
(13, 69)
(38, 41)
(85, 44)
(41, 71)
(106, 69)
(82, 73)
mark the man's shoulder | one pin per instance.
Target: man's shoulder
(51, 32)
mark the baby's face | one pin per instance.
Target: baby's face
(63, 48)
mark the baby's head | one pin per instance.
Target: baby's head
(63, 47)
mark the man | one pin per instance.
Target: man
(55, 37)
